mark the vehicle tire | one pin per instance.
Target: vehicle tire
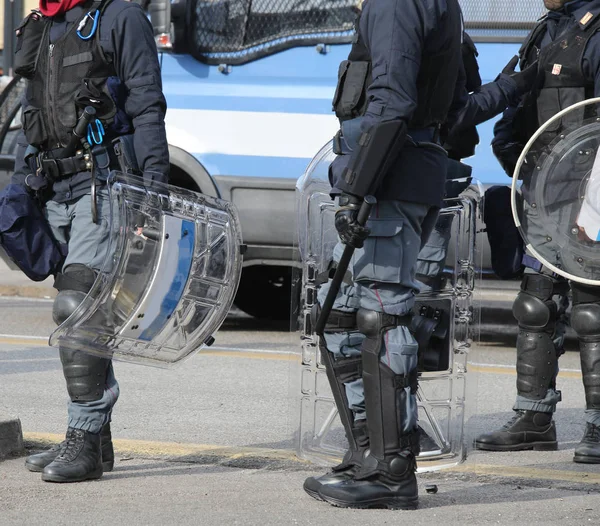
(265, 292)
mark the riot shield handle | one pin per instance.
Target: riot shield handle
(342, 267)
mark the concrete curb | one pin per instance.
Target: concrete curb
(27, 291)
(11, 437)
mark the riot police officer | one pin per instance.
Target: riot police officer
(402, 77)
(92, 62)
(566, 44)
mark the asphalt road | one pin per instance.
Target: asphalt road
(212, 442)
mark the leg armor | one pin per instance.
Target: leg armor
(537, 358)
(85, 374)
(340, 372)
(585, 320)
(392, 446)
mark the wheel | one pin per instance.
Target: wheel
(265, 292)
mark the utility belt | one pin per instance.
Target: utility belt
(52, 168)
(98, 161)
(346, 139)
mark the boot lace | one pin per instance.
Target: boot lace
(71, 446)
(592, 433)
(512, 421)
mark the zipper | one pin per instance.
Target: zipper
(50, 90)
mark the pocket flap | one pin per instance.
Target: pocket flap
(352, 88)
(379, 70)
(384, 227)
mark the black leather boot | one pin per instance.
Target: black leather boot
(352, 462)
(588, 450)
(387, 477)
(393, 486)
(524, 431)
(39, 461)
(79, 459)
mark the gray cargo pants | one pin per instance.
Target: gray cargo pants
(71, 223)
(384, 280)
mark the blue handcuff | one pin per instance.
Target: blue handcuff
(95, 17)
(95, 136)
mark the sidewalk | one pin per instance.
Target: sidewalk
(15, 283)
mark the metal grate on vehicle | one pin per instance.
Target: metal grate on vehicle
(237, 31)
(501, 19)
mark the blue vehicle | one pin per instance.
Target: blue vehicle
(249, 86)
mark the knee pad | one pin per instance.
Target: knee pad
(373, 324)
(585, 320)
(534, 313)
(72, 284)
(85, 375)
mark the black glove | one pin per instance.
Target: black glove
(350, 232)
(525, 80)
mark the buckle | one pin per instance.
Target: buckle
(402, 381)
(50, 169)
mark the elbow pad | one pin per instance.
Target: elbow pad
(378, 149)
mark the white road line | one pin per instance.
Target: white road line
(25, 299)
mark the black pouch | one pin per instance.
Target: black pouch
(29, 39)
(124, 152)
(94, 92)
(34, 127)
(350, 99)
(506, 243)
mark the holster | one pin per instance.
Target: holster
(123, 151)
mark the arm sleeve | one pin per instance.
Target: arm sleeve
(488, 101)
(21, 169)
(395, 33)
(136, 62)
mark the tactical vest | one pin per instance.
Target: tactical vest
(69, 75)
(561, 81)
(437, 72)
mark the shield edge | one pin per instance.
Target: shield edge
(513, 193)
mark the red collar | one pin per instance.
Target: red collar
(53, 8)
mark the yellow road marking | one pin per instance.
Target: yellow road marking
(34, 342)
(487, 369)
(146, 448)
(510, 370)
(531, 473)
(177, 451)
(255, 355)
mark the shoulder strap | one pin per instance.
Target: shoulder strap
(534, 38)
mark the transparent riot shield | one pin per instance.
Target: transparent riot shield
(165, 289)
(555, 193)
(449, 276)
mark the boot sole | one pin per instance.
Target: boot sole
(33, 468)
(106, 466)
(385, 503)
(586, 459)
(527, 446)
(314, 494)
(90, 476)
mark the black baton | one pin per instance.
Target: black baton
(342, 267)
